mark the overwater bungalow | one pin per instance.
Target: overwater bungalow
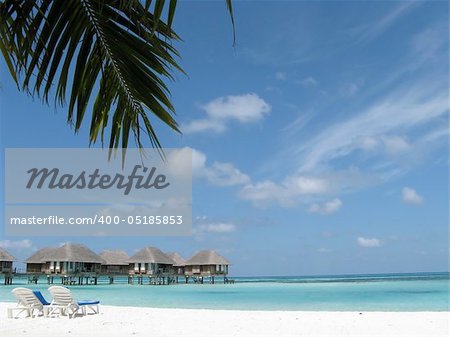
(6, 261)
(74, 263)
(37, 263)
(150, 261)
(207, 263)
(115, 262)
(6, 265)
(69, 260)
(178, 263)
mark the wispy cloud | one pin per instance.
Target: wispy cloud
(376, 28)
(220, 227)
(328, 207)
(205, 227)
(410, 196)
(16, 244)
(225, 174)
(400, 111)
(390, 144)
(202, 125)
(370, 139)
(296, 189)
(352, 88)
(308, 82)
(379, 134)
(430, 42)
(368, 242)
(280, 76)
(247, 108)
(218, 173)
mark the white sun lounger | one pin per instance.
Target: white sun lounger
(66, 303)
(27, 302)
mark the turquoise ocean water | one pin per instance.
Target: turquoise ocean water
(383, 292)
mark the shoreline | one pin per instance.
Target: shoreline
(13, 303)
(144, 321)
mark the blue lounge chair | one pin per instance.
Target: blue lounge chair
(41, 297)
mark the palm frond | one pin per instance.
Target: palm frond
(115, 50)
(115, 55)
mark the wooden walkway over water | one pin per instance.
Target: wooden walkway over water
(94, 279)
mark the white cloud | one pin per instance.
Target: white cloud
(436, 134)
(287, 193)
(389, 144)
(400, 111)
(247, 108)
(220, 227)
(19, 244)
(308, 82)
(381, 25)
(395, 144)
(393, 122)
(367, 143)
(307, 185)
(368, 243)
(410, 196)
(244, 108)
(179, 162)
(280, 76)
(201, 125)
(328, 207)
(225, 174)
(264, 192)
(428, 43)
(218, 174)
(198, 161)
(205, 227)
(301, 188)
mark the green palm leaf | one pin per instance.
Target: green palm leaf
(121, 52)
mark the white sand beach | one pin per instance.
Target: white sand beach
(129, 321)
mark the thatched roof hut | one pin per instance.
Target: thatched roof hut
(5, 256)
(115, 257)
(69, 258)
(207, 263)
(41, 256)
(115, 262)
(150, 255)
(177, 259)
(72, 252)
(150, 260)
(207, 257)
(69, 252)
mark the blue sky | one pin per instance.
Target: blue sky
(320, 141)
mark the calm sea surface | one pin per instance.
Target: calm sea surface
(383, 292)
